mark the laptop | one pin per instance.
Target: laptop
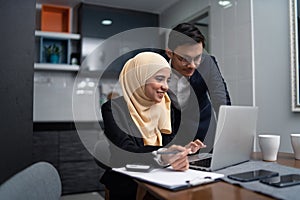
(233, 142)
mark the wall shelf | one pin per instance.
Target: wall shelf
(57, 35)
(60, 67)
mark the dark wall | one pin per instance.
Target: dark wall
(17, 21)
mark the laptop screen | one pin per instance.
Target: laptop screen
(235, 131)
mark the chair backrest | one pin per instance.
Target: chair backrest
(102, 153)
(38, 181)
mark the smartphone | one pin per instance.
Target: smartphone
(253, 175)
(283, 181)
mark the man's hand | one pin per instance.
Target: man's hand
(195, 146)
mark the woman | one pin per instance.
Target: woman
(139, 123)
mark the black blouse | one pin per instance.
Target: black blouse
(126, 144)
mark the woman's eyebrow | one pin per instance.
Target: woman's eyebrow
(162, 76)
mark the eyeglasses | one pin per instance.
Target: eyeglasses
(188, 60)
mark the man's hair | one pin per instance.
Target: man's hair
(185, 33)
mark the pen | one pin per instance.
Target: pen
(168, 152)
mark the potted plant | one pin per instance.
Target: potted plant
(53, 52)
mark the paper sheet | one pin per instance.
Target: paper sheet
(171, 179)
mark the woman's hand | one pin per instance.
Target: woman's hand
(178, 161)
(195, 146)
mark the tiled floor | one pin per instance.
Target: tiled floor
(83, 196)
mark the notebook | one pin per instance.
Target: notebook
(233, 143)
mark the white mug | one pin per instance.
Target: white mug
(269, 145)
(295, 140)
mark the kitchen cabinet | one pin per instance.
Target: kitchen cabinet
(64, 149)
(46, 147)
(91, 16)
(115, 43)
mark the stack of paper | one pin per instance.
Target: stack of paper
(171, 179)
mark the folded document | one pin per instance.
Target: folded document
(171, 179)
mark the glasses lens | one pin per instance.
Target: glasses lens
(189, 60)
(184, 61)
(197, 59)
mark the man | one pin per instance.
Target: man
(197, 88)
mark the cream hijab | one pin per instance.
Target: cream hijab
(151, 118)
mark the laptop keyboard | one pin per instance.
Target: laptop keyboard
(202, 163)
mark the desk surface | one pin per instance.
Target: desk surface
(218, 190)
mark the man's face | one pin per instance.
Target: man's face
(186, 58)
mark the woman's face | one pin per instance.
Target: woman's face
(157, 85)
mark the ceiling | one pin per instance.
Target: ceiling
(152, 6)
